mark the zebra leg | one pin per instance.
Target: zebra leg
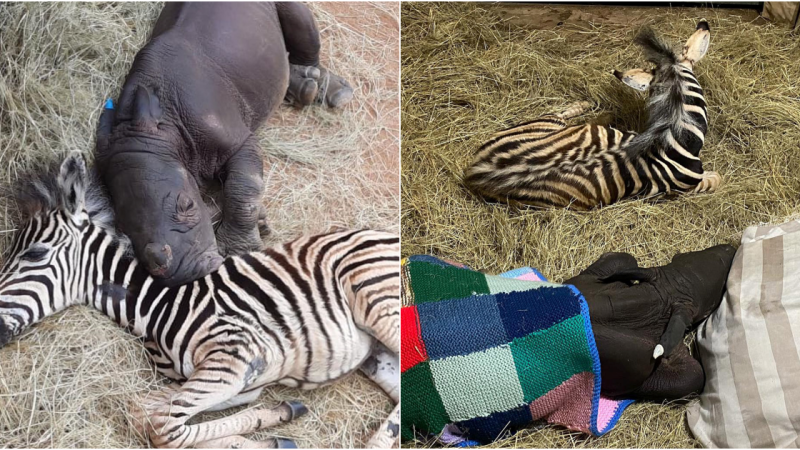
(381, 367)
(709, 183)
(226, 432)
(243, 442)
(374, 299)
(547, 123)
(164, 414)
(239, 400)
(389, 431)
(574, 110)
(166, 427)
(386, 373)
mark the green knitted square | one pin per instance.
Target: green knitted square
(499, 285)
(422, 406)
(478, 384)
(547, 358)
(431, 282)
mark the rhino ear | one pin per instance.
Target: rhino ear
(105, 126)
(72, 183)
(146, 108)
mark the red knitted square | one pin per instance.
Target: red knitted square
(412, 349)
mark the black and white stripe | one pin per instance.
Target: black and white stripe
(307, 300)
(547, 163)
(301, 314)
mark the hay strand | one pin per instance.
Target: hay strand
(468, 70)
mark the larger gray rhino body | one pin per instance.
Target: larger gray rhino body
(210, 75)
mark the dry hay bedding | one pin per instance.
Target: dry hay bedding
(467, 73)
(66, 382)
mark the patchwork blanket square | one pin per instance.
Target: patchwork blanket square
(482, 354)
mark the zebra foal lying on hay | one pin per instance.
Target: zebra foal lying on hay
(302, 314)
(549, 164)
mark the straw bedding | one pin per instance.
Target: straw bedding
(67, 382)
(467, 72)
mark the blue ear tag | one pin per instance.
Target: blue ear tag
(109, 104)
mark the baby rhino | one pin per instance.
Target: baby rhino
(210, 75)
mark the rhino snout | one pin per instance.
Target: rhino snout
(157, 258)
(193, 268)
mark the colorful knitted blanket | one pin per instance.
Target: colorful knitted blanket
(485, 354)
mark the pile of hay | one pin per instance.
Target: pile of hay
(67, 382)
(467, 72)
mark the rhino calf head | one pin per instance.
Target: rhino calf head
(156, 200)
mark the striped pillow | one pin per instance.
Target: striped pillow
(749, 348)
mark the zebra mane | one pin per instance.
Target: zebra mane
(665, 101)
(38, 191)
(655, 49)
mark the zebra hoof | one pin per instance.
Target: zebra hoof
(296, 409)
(284, 443)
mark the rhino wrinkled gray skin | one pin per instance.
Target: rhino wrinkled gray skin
(210, 75)
(641, 315)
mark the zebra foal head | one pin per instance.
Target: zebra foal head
(667, 62)
(60, 207)
(676, 105)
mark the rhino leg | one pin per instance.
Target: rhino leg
(303, 86)
(301, 37)
(308, 81)
(242, 188)
(611, 263)
(300, 33)
(675, 377)
(625, 358)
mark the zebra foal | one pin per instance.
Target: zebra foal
(547, 163)
(302, 314)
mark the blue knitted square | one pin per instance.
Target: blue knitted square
(536, 309)
(493, 426)
(461, 326)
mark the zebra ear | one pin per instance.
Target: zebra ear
(72, 183)
(638, 79)
(697, 45)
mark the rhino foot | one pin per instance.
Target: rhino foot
(303, 86)
(233, 242)
(334, 91)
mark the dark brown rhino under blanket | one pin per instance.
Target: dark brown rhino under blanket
(641, 315)
(210, 75)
